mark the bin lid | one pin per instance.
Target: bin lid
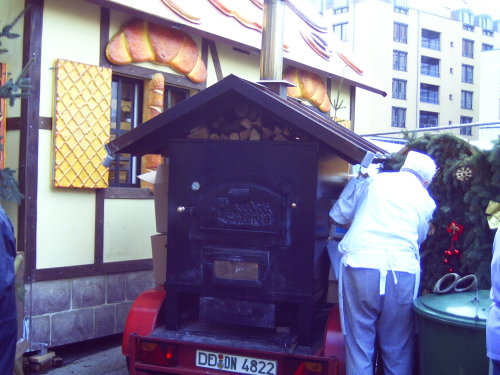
(468, 309)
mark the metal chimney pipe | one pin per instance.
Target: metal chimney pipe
(271, 53)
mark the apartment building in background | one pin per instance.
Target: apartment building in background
(439, 66)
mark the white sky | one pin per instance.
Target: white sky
(491, 7)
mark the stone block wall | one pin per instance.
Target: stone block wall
(67, 311)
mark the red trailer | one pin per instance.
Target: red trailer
(247, 269)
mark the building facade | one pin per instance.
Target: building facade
(85, 228)
(429, 63)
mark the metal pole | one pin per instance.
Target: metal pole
(271, 54)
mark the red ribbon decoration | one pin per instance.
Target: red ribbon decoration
(455, 229)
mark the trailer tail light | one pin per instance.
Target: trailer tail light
(158, 353)
(309, 368)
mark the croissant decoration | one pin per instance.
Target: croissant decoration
(309, 86)
(140, 41)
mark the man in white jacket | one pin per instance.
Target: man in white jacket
(389, 219)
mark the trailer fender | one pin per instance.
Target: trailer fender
(333, 344)
(143, 315)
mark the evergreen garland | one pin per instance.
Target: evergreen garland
(467, 180)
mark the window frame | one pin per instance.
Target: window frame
(429, 93)
(135, 120)
(486, 47)
(428, 68)
(399, 88)
(429, 42)
(398, 117)
(466, 130)
(466, 99)
(397, 58)
(467, 73)
(467, 48)
(343, 35)
(340, 6)
(400, 32)
(428, 115)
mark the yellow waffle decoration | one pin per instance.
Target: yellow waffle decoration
(82, 125)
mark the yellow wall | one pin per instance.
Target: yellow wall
(128, 225)
(66, 217)
(71, 32)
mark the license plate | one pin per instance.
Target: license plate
(235, 363)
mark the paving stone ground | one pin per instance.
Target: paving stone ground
(97, 357)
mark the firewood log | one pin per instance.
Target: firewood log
(245, 134)
(200, 132)
(280, 138)
(246, 123)
(254, 135)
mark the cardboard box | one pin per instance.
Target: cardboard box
(159, 249)
(161, 197)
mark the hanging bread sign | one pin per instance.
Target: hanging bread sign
(308, 86)
(141, 41)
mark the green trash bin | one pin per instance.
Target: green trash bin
(452, 333)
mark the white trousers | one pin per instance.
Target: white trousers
(371, 318)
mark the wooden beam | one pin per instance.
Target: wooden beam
(215, 59)
(29, 128)
(14, 123)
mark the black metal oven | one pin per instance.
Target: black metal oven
(242, 232)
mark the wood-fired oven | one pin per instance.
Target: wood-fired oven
(243, 247)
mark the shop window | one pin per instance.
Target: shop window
(174, 95)
(399, 60)
(341, 30)
(466, 99)
(431, 39)
(126, 114)
(468, 48)
(429, 66)
(467, 73)
(429, 93)
(428, 119)
(400, 33)
(466, 130)
(398, 117)
(398, 88)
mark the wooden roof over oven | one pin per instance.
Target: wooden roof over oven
(153, 136)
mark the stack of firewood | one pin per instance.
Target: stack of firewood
(244, 123)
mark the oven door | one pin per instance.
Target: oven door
(235, 267)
